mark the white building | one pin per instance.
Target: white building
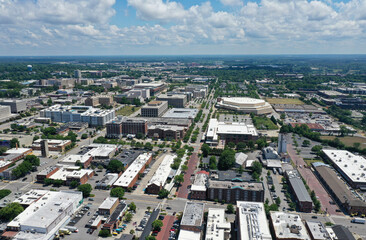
(161, 174)
(251, 221)
(270, 153)
(351, 166)
(288, 226)
(229, 132)
(129, 177)
(43, 218)
(93, 116)
(245, 104)
(217, 227)
(30, 197)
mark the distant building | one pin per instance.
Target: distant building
(154, 109)
(44, 148)
(134, 126)
(53, 145)
(5, 112)
(251, 221)
(114, 128)
(230, 192)
(301, 194)
(92, 101)
(245, 105)
(77, 73)
(29, 68)
(185, 113)
(166, 132)
(16, 106)
(105, 100)
(217, 227)
(282, 144)
(177, 101)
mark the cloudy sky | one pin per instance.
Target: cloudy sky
(160, 27)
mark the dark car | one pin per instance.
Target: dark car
(168, 208)
(24, 179)
(161, 217)
(315, 217)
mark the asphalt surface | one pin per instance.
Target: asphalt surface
(147, 229)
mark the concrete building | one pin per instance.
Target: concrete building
(192, 219)
(30, 197)
(199, 91)
(108, 206)
(229, 132)
(67, 174)
(16, 106)
(74, 159)
(93, 116)
(189, 235)
(245, 105)
(46, 173)
(114, 128)
(53, 145)
(166, 132)
(44, 148)
(77, 73)
(5, 112)
(134, 126)
(130, 176)
(43, 218)
(339, 191)
(198, 188)
(240, 159)
(107, 181)
(217, 228)
(251, 221)
(102, 152)
(177, 101)
(351, 167)
(301, 194)
(154, 109)
(317, 230)
(154, 87)
(288, 226)
(158, 181)
(91, 101)
(105, 100)
(184, 113)
(230, 192)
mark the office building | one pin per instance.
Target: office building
(288, 226)
(102, 152)
(301, 194)
(229, 132)
(68, 174)
(251, 221)
(16, 106)
(244, 105)
(230, 192)
(134, 126)
(192, 219)
(166, 132)
(350, 166)
(130, 176)
(154, 87)
(91, 101)
(77, 73)
(53, 144)
(43, 218)
(184, 113)
(46, 173)
(114, 128)
(77, 160)
(339, 190)
(44, 148)
(198, 188)
(217, 228)
(154, 109)
(199, 91)
(93, 116)
(5, 112)
(161, 175)
(105, 100)
(176, 101)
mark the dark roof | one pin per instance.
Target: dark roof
(300, 190)
(121, 207)
(343, 232)
(231, 175)
(339, 189)
(126, 237)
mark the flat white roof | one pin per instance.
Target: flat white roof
(73, 158)
(126, 178)
(18, 150)
(253, 221)
(66, 171)
(189, 235)
(215, 127)
(199, 183)
(162, 173)
(31, 196)
(243, 100)
(288, 226)
(108, 203)
(216, 224)
(193, 214)
(353, 166)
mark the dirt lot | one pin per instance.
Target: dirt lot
(284, 101)
(348, 141)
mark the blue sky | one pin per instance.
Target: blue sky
(160, 27)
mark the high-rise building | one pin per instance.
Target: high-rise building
(154, 109)
(44, 148)
(77, 73)
(29, 68)
(282, 143)
(16, 106)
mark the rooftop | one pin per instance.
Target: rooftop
(216, 224)
(181, 113)
(162, 173)
(317, 230)
(108, 203)
(193, 214)
(18, 150)
(298, 186)
(253, 186)
(31, 196)
(73, 158)
(215, 128)
(288, 226)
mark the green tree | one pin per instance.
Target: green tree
(3, 150)
(74, 184)
(261, 143)
(47, 181)
(49, 102)
(231, 145)
(184, 168)
(10, 211)
(4, 193)
(306, 143)
(257, 168)
(132, 206)
(117, 192)
(34, 160)
(230, 208)
(115, 166)
(85, 189)
(150, 238)
(157, 225)
(273, 188)
(205, 149)
(49, 131)
(273, 119)
(128, 217)
(179, 179)
(84, 136)
(163, 193)
(278, 201)
(227, 159)
(241, 146)
(14, 142)
(104, 233)
(213, 163)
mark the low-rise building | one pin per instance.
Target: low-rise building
(53, 145)
(192, 219)
(317, 230)
(251, 221)
(115, 219)
(288, 226)
(108, 206)
(46, 173)
(230, 192)
(30, 197)
(16, 106)
(198, 188)
(184, 113)
(154, 109)
(77, 160)
(131, 174)
(168, 132)
(102, 152)
(217, 228)
(107, 181)
(161, 175)
(301, 194)
(174, 100)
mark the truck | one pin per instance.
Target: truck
(64, 231)
(358, 220)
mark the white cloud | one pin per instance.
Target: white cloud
(232, 2)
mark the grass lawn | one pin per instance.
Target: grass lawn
(284, 101)
(264, 123)
(310, 161)
(349, 140)
(127, 110)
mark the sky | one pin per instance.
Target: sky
(186, 27)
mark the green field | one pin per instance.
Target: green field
(264, 123)
(349, 140)
(127, 110)
(284, 101)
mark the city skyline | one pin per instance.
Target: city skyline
(157, 27)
